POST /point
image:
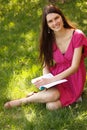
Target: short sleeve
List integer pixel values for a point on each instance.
(80, 40)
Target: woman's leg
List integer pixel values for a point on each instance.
(45, 96)
(53, 105)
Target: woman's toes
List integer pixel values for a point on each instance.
(7, 105)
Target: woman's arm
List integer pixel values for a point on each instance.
(45, 70)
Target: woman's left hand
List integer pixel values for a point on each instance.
(42, 81)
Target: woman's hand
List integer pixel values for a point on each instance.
(42, 81)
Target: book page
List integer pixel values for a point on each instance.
(49, 75)
(50, 84)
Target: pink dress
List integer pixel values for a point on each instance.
(71, 90)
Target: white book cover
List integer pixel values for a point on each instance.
(50, 84)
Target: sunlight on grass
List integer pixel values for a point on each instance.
(4, 49)
(34, 71)
(39, 12)
(29, 36)
(83, 6)
(16, 88)
(12, 2)
(79, 4)
(82, 116)
(85, 21)
(35, 1)
(17, 84)
(30, 116)
(11, 25)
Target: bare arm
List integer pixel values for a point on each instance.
(46, 70)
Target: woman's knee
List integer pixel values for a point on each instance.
(55, 95)
(53, 105)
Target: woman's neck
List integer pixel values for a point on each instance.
(60, 33)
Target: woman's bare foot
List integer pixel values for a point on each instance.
(18, 102)
(15, 103)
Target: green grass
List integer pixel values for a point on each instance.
(20, 22)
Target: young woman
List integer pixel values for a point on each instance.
(62, 52)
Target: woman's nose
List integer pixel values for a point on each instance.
(54, 22)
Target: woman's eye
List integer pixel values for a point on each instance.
(56, 18)
(50, 21)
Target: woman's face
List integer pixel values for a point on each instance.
(54, 21)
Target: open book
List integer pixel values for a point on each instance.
(50, 84)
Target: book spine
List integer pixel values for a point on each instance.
(41, 88)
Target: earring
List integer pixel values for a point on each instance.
(48, 30)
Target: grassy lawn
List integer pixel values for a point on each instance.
(20, 22)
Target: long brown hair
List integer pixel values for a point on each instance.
(47, 36)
